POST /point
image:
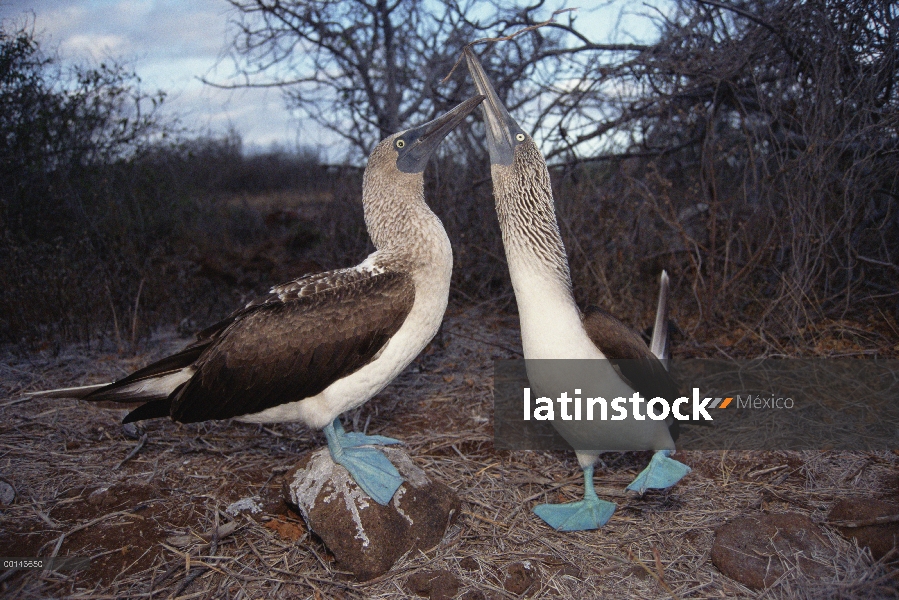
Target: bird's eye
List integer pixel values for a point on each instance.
(520, 137)
(400, 143)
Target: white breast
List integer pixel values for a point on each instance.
(551, 328)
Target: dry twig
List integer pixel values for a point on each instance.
(504, 38)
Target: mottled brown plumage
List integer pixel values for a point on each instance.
(526, 212)
(299, 332)
(553, 327)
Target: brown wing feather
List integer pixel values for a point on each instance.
(170, 364)
(627, 351)
(305, 286)
(294, 343)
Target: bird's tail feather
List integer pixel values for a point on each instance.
(152, 388)
(69, 392)
(659, 343)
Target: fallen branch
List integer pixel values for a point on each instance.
(219, 533)
(485, 519)
(867, 522)
(133, 453)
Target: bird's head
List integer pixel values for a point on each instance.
(393, 183)
(521, 183)
(402, 157)
(507, 142)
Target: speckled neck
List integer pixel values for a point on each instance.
(404, 230)
(527, 216)
(550, 320)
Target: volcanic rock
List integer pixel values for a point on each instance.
(754, 550)
(365, 537)
(881, 537)
(519, 578)
(7, 493)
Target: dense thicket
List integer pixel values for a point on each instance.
(764, 145)
(108, 214)
(66, 139)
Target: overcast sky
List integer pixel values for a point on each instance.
(171, 43)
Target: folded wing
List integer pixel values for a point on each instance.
(288, 345)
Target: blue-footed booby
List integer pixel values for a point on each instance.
(322, 344)
(552, 326)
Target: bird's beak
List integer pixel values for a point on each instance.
(496, 117)
(424, 139)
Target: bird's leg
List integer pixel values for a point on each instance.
(354, 439)
(589, 488)
(368, 467)
(661, 472)
(589, 513)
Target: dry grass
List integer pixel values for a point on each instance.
(145, 531)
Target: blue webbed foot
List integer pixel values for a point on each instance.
(576, 516)
(368, 467)
(589, 513)
(374, 473)
(661, 472)
(355, 439)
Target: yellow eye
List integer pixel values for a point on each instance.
(400, 143)
(520, 137)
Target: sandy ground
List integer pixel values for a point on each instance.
(143, 507)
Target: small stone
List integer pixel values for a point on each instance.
(132, 431)
(519, 577)
(879, 538)
(437, 585)
(753, 550)
(420, 584)
(473, 595)
(102, 497)
(570, 571)
(7, 493)
(365, 537)
(250, 505)
(469, 564)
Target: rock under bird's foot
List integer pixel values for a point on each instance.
(661, 472)
(589, 513)
(368, 466)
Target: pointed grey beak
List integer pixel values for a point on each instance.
(497, 119)
(421, 141)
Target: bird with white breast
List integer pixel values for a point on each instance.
(553, 327)
(323, 344)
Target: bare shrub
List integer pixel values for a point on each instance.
(760, 168)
